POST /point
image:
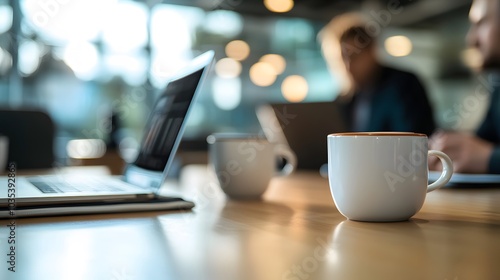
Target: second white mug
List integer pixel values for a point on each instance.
(244, 164)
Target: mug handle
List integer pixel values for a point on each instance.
(290, 157)
(447, 170)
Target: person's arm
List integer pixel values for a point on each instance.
(469, 153)
(478, 153)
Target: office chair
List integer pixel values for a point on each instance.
(31, 137)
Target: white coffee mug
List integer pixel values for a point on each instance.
(244, 164)
(381, 176)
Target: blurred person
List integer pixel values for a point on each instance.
(374, 97)
(479, 153)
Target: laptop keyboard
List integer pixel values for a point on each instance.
(60, 186)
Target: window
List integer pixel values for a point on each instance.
(85, 61)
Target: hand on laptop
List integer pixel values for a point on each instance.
(469, 153)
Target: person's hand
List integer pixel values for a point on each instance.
(469, 153)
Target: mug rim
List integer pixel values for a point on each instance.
(377, 133)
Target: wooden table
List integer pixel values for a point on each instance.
(295, 232)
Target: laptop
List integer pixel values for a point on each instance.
(303, 127)
(138, 188)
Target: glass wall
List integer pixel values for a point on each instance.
(96, 66)
(85, 61)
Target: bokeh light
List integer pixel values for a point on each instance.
(64, 21)
(228, 68)
(238, 50)
(171, 28)
(29, 57)
(226, 93)
(262, 74)
(277, 61)
(398, 46)
(86, 148)
(294, 88)
(82, 58)
(279, 6)
(126, 28)
(5, 18)
(225, 23)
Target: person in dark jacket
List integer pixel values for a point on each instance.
(479, 153)
(375, 97)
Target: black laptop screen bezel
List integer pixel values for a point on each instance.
(158, 148)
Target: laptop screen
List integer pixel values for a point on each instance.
(304, 127)
(165, 122)
(164, 129)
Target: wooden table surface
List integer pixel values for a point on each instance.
(295, 232)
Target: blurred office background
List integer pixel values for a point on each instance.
(96, 65)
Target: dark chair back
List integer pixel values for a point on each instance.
(31, 137)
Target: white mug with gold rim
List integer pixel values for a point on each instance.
(381, 176)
